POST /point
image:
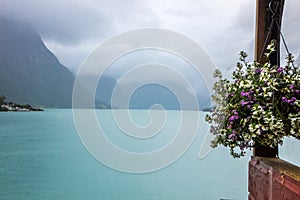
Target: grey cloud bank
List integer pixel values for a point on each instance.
(72, 29)
(58, 21)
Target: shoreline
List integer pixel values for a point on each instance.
(13, 107)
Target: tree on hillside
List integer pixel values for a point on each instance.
(2, 98)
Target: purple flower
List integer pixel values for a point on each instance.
(232, 136)
(244, 94)
(297, 91)
(292, 87)
(244, 103)
(232, 118)
(258, 70)
(284, 99)
(249, 106)
(280, 69)
(290, 101)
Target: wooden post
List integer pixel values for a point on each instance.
(265, 32)
(268, 18)
(270, 178)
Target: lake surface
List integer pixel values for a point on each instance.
(42, 157)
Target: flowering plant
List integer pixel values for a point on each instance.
(259, 106)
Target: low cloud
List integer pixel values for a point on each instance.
(72, 29)
(59, 21)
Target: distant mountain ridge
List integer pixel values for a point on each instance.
(148, 95)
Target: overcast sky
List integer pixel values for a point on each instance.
(72, 29)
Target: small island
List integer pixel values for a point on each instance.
(14, 107)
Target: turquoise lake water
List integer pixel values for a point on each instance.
(42, 157)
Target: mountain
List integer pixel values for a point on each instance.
(147, 95)
(29, 72)
(142, 98)
(151, 94)
(105, 89)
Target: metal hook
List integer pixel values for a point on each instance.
(271, 10)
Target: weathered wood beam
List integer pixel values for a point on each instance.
(268, 24)
(263, 33)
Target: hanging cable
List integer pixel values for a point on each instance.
(266, 41)
(275, 18)
(279, 30)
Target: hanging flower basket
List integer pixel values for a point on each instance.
(260, 105)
